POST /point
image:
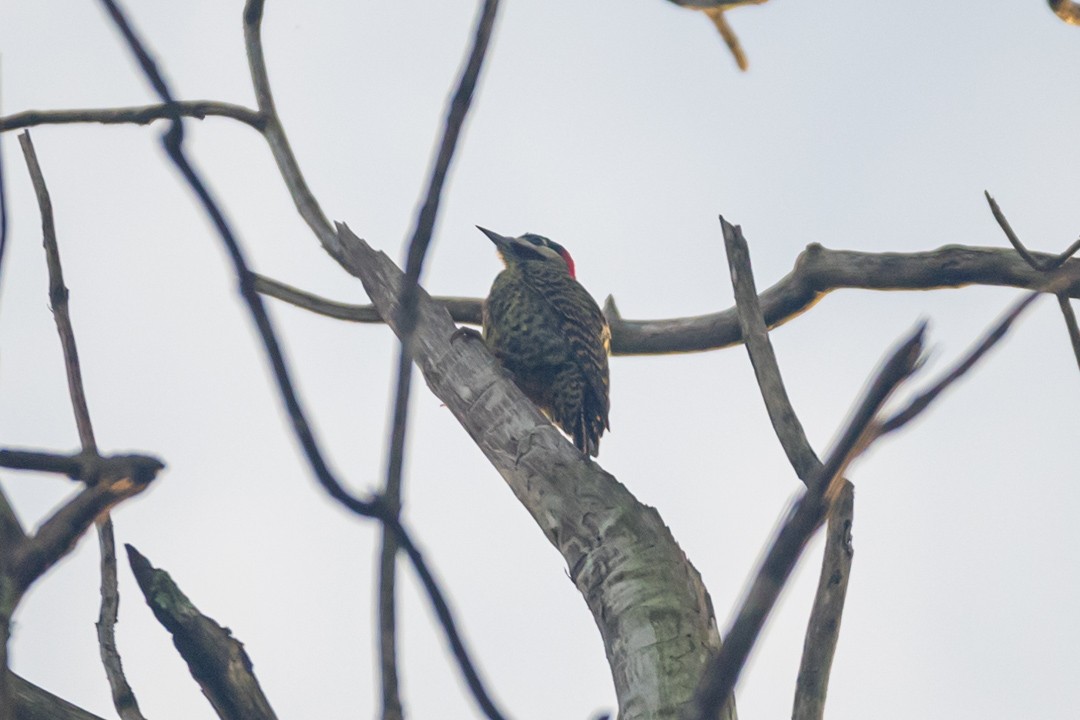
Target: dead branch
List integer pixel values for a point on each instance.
(141, 115)
(818, 271)
(1047, 267)
(34, 703)
(173, 142)
(215, 658)
(274, 131)
(123, 696)
(418, 247)
(809, 511)
(859, 433)
(823, 628)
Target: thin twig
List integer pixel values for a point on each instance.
(462, 309)
(173, 142)
(1046, 267)
(918, 404)
(127, 706)
(418, 247)
(860, 432)
(141, 115)
(123, 697)
(724, 668)
(823, 628)
(274, 131)
(767, 370)
(1070, 324)
(58, 298)
(3, 213)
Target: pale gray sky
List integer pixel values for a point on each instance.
(620, 129)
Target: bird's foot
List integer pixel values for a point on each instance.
(466, 332)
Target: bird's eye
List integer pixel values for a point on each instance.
(535, 239)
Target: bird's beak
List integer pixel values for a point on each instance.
(501, 241)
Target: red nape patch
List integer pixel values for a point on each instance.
(569, 261)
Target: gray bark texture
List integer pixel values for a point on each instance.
(648, 601)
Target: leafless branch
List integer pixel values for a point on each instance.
(418, 247)
(463, 310)
(123, 696)
(861, 430)
(216, 660)
(274, 131)
(3, 213)
(1070, 325)
(1044, 267)
(34, 703)
(141, 115)
(173, 142)
(756, 338)
(83, 467)
(817, 272)
(823, 629)
(806, 516)
(58, 298)
(917, 405)
(57, 535)
(1067, 10)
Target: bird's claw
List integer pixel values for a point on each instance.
(466, 332)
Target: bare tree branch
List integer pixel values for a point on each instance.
(274, 131)
(823, 628)
(34, 703)
(418, 246)
(83, 467)
(141, 115)
(861, 430)
(123, 696)
(462, 309)
(173, 142)
(58, 298)
(3, 213)
(1070, 324)
(723, 670)
(818, 271)
(920, 402)
(215, 658)
(57, 535)
(1045, 267)
(767, 370)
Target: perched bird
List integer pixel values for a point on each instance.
(550, 335)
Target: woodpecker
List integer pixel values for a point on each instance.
(550, 335)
